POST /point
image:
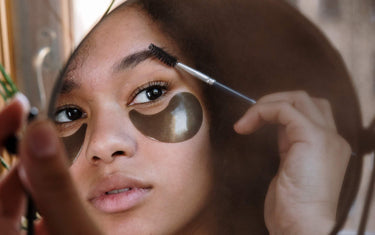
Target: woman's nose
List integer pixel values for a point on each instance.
(110, 136)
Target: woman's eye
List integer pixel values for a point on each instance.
(68, 115)
(149, 94)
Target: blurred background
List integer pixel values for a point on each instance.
(350, 26)
(36, 37)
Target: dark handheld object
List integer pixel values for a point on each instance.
(30, 215)
(11, 145)
(172, 61)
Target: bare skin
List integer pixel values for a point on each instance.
(301, 199)
(303, 196)
(42, 171)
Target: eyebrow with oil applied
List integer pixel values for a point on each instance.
(127, 62)
(133, 60)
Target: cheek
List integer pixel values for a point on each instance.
(186, 168)
(187, 177)
(80, 178)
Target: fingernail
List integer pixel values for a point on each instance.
(41, 140)
(238, 124)
(22, 99)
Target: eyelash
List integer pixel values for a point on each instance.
(161, 84)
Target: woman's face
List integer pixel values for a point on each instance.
(131, 183)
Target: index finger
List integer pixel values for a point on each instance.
(279, 112)
(301, 101)
(44, 170)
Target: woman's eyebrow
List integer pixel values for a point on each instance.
(68, 85)
(127, 62)
(133, 60)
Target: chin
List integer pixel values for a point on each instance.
(117, 224)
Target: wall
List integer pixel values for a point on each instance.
(350, 25)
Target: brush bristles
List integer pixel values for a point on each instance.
(162, 55)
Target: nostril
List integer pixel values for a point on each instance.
(118, 153)
(95, 158)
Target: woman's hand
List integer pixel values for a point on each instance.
(43, 172)
(303, 196)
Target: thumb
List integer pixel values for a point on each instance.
(45, 173)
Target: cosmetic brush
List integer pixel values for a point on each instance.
(172, 61)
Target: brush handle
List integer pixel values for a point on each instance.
(201, 76)
(212, 82)
(30, 215)
(233, 92)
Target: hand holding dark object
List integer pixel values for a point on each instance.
(303, 196)
(43, 172)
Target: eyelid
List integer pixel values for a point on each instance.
(138, 90)
(66, 106)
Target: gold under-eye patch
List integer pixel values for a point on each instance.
(179, 121)
(74, 142)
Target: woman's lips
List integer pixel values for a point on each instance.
(120, 201)
(118, 194)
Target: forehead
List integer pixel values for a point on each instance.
(121, 34)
